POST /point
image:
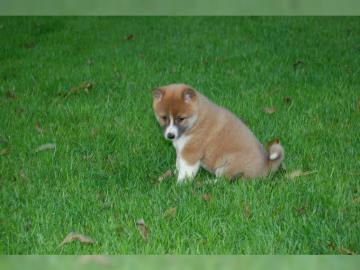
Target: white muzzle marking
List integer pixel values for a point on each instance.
(171, 132)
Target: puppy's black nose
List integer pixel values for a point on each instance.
(170, 136)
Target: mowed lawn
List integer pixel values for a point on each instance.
(82, 87)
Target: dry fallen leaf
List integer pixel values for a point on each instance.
(75, 90)
(10, 95)
(165, 175)
(298, 63)
(4, 151)
(206, 197)
(331, 246)
(38, 127)
(44, 147)
(170, 213)
(269, 110)
(247, 212)
(130, 37)
(77, 237)
(298, 173)
(86, 87)
(345, 251)
(143, 229)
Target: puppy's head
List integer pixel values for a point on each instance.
(175, 108)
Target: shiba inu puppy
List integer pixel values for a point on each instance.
(210, 136)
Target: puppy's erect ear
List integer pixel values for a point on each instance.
(158, 94)
(189, 95)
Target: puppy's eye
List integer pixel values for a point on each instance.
(165, 118)
(179, 119)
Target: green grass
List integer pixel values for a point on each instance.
(102, 176)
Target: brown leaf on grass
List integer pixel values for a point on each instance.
(165, 175)
(77, 237)
(39, 128)
(269, 110)
(298, 173)
(4, 151)
(45, 147)
(247, 211)
(298, 63)
(170, 213)
(10, 95)
(345, 251)
(85, 87)
(98, 259)
(331, 246)
(143, 229)
(130, 37)
(206, 197)
(340, 250)
(287, 100)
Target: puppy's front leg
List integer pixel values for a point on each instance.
(186, 170)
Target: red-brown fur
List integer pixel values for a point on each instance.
(218, 139)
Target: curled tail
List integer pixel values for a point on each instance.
(276, 155)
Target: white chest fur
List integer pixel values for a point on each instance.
(180, 143)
